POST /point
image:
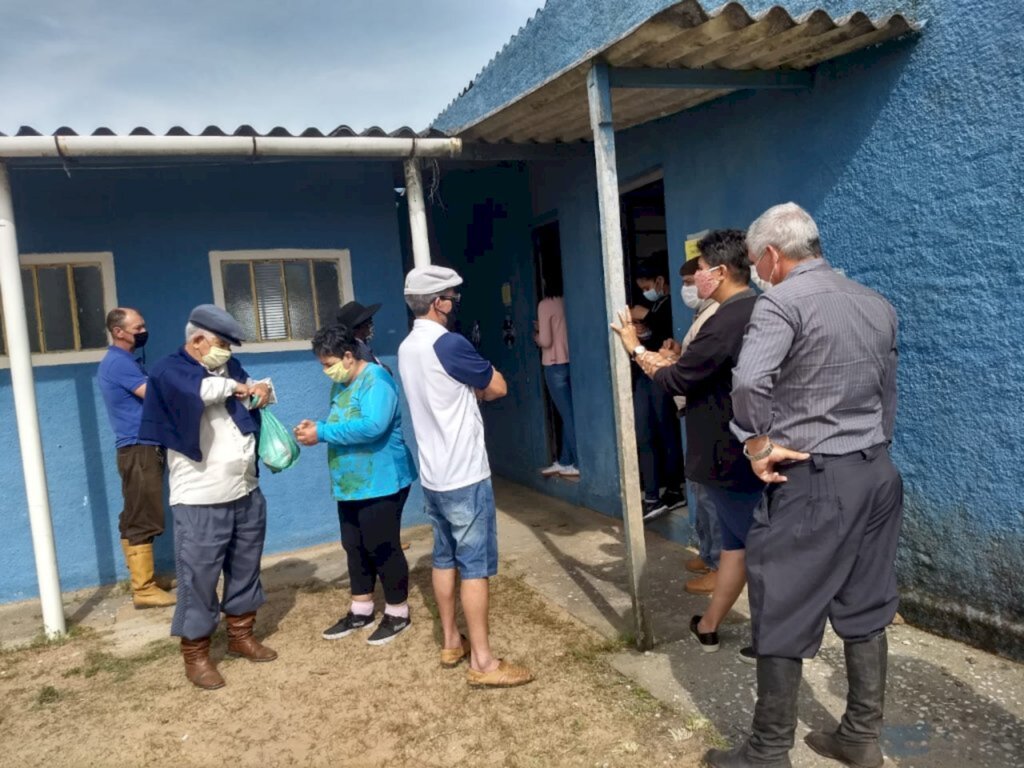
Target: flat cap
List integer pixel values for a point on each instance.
(433, 279)
(212, 318)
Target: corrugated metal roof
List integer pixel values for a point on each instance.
(246, 130)
(684, 35)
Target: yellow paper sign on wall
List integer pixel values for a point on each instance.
(506, 294)
(691, 249)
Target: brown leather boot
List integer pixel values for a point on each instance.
(145, 592)
(199, 668)
(241, 641)
(702, 585)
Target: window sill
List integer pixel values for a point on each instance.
(59, 358)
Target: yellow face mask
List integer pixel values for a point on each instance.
(338, 373)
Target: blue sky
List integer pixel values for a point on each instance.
(296, 63)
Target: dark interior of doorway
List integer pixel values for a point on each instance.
(547, 269)
(643, 232)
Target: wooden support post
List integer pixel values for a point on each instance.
(599, 95)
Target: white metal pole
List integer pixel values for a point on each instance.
(417, 213)
(23, 384)
(599, 95)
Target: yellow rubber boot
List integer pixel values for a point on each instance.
(165, 581)
(145, 592)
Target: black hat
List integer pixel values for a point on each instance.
(355, 314)
(212, 318)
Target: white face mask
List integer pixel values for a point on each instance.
(762, 284)
(216, 357)
(690, 297)
(652, 294)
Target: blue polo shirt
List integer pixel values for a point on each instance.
(119, 375)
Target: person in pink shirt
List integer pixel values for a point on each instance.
(553, 341)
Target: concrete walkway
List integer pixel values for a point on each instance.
(949, 705)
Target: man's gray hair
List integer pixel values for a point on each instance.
(420, 304)
(191, 330)
(789, 228)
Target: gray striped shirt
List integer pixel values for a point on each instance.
(818, 368)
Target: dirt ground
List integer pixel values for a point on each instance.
(341, 702)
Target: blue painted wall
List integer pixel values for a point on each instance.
(160, 226)
(909, 158)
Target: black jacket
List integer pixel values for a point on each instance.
(704, 376)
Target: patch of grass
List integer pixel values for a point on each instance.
(123, 667)
(704, 728)
(314, 586)
(48, 695)
(74, 631)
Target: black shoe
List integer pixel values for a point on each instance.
(653, 509)
(708, 640)
(388, 629)
(747, 655)
(347, 625)
(673, 500)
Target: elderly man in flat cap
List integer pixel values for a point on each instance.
(444, 376)
(204, 408)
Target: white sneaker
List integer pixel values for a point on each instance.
(569, 471)
(554, 469)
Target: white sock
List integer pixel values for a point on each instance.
(401, 611)
(362, 607)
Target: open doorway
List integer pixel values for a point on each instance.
(547, 260)
(645, 255)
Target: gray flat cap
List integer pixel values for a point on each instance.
(212, 318)
(433, 279)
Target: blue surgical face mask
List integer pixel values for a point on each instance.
(651, 294)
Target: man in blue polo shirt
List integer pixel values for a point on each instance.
(443, 377)
(140, 463)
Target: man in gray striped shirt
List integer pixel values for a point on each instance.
(814, 398)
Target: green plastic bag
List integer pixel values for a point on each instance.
(278, 447)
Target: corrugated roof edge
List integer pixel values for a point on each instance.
(508, 76)
(246, 130)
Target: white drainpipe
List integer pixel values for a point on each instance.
(27, 147)
(417, 213)
(23, 384)
(225, 146)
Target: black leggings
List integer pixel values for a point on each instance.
(370, 537)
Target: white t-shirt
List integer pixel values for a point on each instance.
(440, 373)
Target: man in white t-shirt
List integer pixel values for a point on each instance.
(443, 377)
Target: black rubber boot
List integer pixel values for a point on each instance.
(771, 738)
(855, 741)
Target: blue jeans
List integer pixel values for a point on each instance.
(705, 523)
(560, 389)
(735, 510)
(465, 529)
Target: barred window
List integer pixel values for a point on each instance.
(66, 300)
(281, 296)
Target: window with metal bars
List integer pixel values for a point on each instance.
(284, 299)
(64, 307)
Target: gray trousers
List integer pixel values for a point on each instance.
(209, 539)
(823, 545)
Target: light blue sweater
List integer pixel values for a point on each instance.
(366, 452)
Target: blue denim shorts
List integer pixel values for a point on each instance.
(465, 529)
(735, 510)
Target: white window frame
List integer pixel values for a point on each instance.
(106, 262)
(339, 255)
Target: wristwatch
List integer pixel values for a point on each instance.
(638, 350)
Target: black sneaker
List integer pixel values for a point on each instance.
(388, 629)
(347, 625)
(747, 655)
(673, 500)
(708, 640)
(653, 509)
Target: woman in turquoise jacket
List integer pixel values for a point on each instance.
(371, 471)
